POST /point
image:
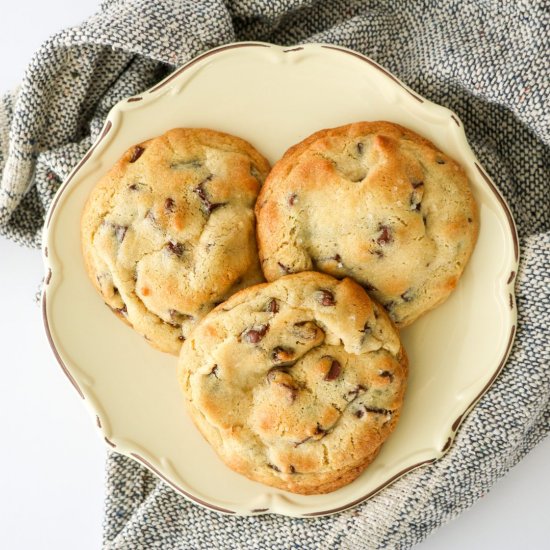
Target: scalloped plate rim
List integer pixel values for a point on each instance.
(95, 408)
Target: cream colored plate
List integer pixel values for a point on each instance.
(275, 97)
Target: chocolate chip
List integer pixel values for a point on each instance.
(375, 410)
(320, 430)
(385, 236)
(386, 374)
(175, 248)
(470, 220)
(367, 329)
(201, 192)
(334, 371)
(136, 153)
(122, 310)
(325, 298)
(338, 259)
(305, 330)
(282, 355)
(214, 371)
(120, 232)
(273, 467)
(292, 469)
(408, 295)
(254, 335)
(292, 199)
(360, 147)
(181, 338)
(285, 268)
(169, 204)
(359, 413)
(272, 306)
(134, 187)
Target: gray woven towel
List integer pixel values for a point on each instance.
(488, 61)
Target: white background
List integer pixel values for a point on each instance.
(52, 459)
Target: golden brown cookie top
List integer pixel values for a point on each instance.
(373, 201)
(296, 383)
(168, 232)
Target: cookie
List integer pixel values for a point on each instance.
(373, 201)
(296, 383)
(169, 231)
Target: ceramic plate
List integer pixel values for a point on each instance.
(275, 97)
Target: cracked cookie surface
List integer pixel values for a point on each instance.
(296, 383)
(373, 201)
(169, 231)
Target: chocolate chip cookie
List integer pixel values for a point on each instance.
(169, 231)
(373, 201)
(296, 383)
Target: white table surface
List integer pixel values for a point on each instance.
(52, 460)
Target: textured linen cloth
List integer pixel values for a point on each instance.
(486, 60)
